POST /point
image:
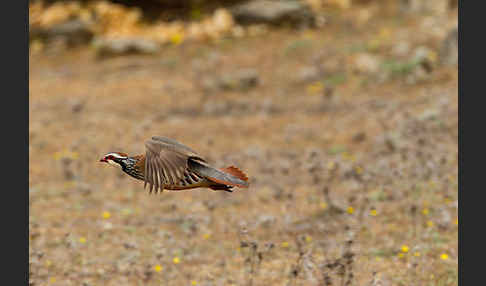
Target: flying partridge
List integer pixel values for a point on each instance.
(167, 164)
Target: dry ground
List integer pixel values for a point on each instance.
(384, 148)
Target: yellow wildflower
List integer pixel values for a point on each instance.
(36, 46)
(82, 239)
(206, 235)
(308, 35)
(74, 155)
(452, 178)
(444, 256)
(193, 282)
(176, 260)
(432, 56)
(48, 263)
(308, 238)
(373, 212)
(315, 87)
(52, 280)
(345, 155)
(285, 244)
(69, 184)
(359, 170)
(330, 165)
(57, 155)
(350, 210)
(425, 211)
(416, 253)
(456, 222)
(157, 268)
(106, 214)
(430, 223)
(323, 205)
(384, 33)
(65, 154)
(405, 248)
(401, 255)
(176, 38)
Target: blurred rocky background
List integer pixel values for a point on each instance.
(117, 27)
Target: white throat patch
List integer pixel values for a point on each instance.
(113, 163)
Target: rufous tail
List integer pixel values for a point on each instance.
(235, 172)
(232, 177)
(228, 177)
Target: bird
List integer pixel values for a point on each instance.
(170, 165)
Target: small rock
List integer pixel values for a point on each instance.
(77, 106)
(308, 74)
(253, 152)
(266, 221)
(419, 6)
(74, 32)
(241, 80)
(209, 84)
(107, 225)
(422, 53)
(366, 63)
(429, 114)
(401, 49)
(421, 65)
(130, 245)
(55, 46)
(359, 137)
(257, 30)
(292, 12)
(113, 47)
(215, 108)
(84, 188)
(268, 107)
(419, 74)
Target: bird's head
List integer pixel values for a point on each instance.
(116, 159)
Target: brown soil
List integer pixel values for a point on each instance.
(384, 148)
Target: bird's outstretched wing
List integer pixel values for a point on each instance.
(166, 162)
(176, 146)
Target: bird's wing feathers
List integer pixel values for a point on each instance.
(165, 162)
(175, 146)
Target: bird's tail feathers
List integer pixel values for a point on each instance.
(232, 170)
(230, 176)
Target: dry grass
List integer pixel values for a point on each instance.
(351, 183)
